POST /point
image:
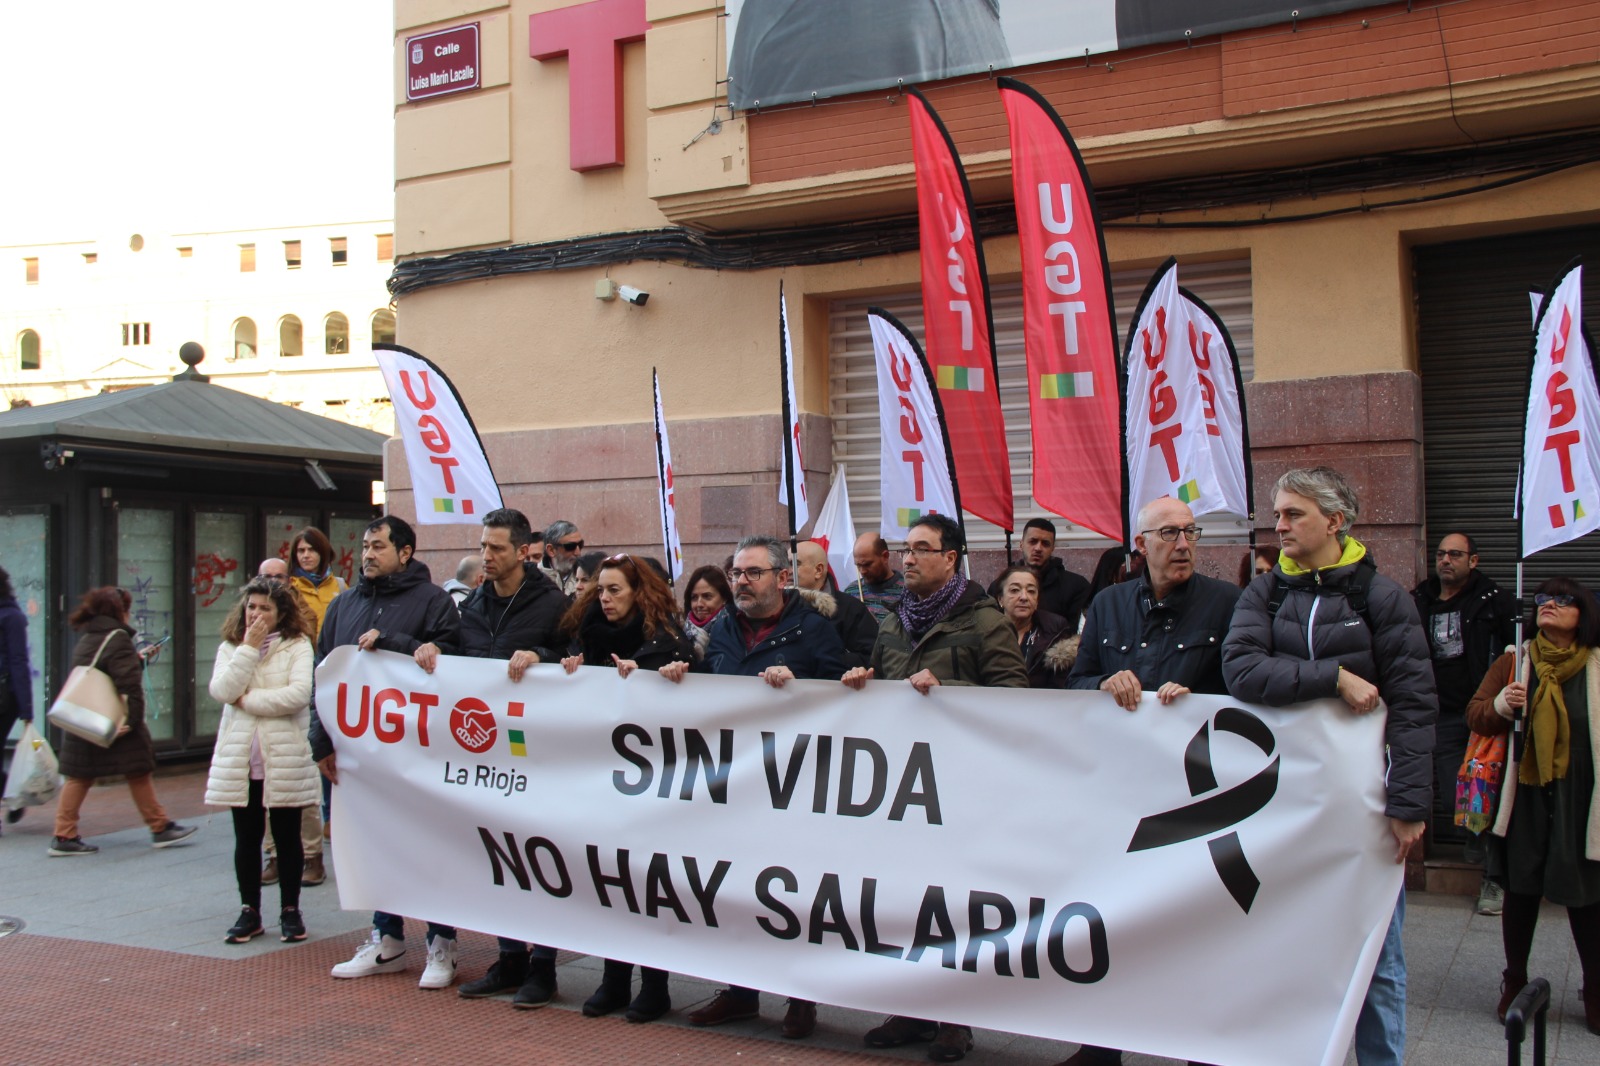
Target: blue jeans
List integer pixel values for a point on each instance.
(1381, 1026)
(517, 947)
(395, 925)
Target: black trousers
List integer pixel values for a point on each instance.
(249, 830)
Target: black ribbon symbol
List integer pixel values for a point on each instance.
(1217, 812)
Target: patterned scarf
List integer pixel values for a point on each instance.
(920, 615)
(1549, 728)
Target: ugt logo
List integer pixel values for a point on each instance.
(472, 724)
(1220, 810)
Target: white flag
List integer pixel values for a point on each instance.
(836, 532)
(914, 460)
(665, 491)
(794, 469)
(450, 477)
(1561, 445)
(1185, 421)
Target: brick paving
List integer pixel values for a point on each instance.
(121, 961)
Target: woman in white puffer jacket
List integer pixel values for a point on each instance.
(262, 765)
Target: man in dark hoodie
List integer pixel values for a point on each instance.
(944, 632)
(513, 614)
(1061, 592)
(395, 606)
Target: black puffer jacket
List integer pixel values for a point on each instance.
(495, 627)
(1296, 656)
(406, 608)
(857, 629)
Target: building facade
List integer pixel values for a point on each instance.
(285, 314)
(1366, 196)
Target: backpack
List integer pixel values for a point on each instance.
(1355, 593)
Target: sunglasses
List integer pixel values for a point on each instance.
(571, 546)
(1557, 599)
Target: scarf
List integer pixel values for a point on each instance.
(704, 622)
(601, 639)
(315, 579)
(919, 616)
(1549, 728)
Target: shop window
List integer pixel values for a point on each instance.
(339, 247)
(244, 339)
(247, 259)
(383, 326)
(385, 247)
(291, 254)
(291, 336)
(135, 333)
(30, 270)
(28, 350)
(336, 334)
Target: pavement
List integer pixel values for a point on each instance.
(120, 960)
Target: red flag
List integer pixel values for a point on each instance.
(1069, 327)
(957, 323)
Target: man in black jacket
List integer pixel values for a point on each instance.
(1061, 592)
(772, 633)
(857, 629)
(1469, 621)
(395, 606)
(515, 615)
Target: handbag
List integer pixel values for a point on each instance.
(89, 705)
(1478, 782)
(35, 777)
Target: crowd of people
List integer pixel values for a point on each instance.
(1311, 619)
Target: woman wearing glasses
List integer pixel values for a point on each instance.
(1547, 797)
(626, 621)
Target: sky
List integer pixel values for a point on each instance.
(195, 115)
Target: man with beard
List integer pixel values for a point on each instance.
(880, 585)
(1061, 592)
(562, 546)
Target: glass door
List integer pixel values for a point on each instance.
(221, 569)
(145, 569)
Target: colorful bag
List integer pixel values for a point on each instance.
(1478, 782)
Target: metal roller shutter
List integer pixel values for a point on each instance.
(853, 387)
(1475, 333)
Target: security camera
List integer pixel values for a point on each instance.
(637, 297)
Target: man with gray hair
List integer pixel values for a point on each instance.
(562, 546)
(1324, 623)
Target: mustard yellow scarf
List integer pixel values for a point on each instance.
(1549, 729)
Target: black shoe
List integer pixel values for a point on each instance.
(540, 987)
(246, 929)
(952, 1043)
(505, 974)
(291, 925)
(14, 815)
(651, 1002)
(897, 1029)
(71, 846)
(615, 987)
(172, 834)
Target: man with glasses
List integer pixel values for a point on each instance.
(1061, 592)
(1163, 632)
(274, 570)
(772, 633)
(563, 544)
(945, 631)
(1470, 621)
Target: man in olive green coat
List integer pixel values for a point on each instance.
(945, 631)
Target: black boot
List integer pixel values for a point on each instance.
(652, 1001)
(612, 994)
(539, 988)
(509, 972)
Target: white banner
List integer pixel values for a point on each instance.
(1035, 862)
(450, 477)
(1561, 443)
(1185, 424)
(664, 489)
(914, 462)
(836, 532)
(794, 467)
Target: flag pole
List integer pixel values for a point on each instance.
(789, 473)
(661, 475)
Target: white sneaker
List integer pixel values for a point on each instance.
(441, 969)
(381, 954)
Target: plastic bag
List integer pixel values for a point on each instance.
(35, 775)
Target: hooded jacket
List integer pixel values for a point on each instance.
(803, 640)
(973, 644)
(266, 698)
(857, 629)
(1297, 654)
(495, 627)
(1053, 650)
(1488, 620)
(406, 608)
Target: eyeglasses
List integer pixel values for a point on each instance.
(754, 573)
(917, 552)
(620, 557)
(1556, 599)
(571, 546)
(1445, 553)
(1170, 533)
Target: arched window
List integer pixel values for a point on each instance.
(335, 334)
(291, 336)
(28, 350)
(244, 339)
(383, 326)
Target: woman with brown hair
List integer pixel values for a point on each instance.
(311, 574)
(626, 620)
(261, 767)
(107, 641)
(705, 594)
(1047, 648)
